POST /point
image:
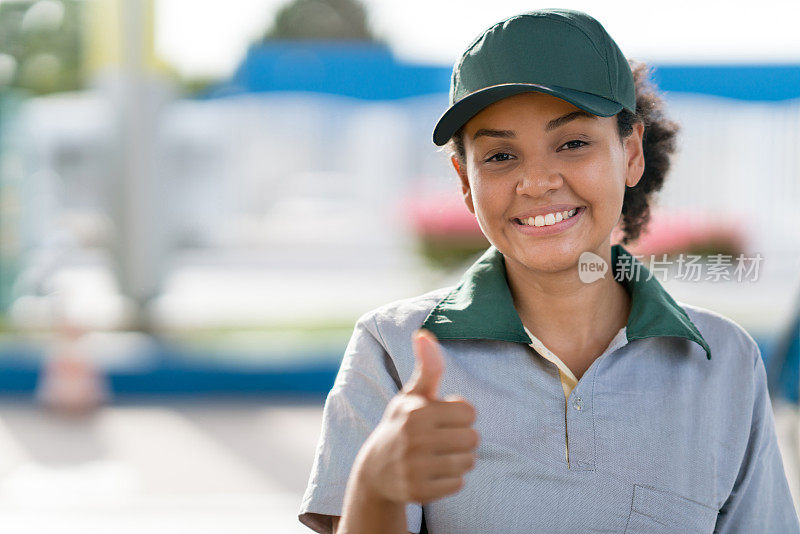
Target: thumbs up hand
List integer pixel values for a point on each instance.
(423, 445)
(429, 366)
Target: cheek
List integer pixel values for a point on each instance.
(481, 199)
(601, 182)
(484, 189)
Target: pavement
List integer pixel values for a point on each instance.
(163, 466)
(214, 466)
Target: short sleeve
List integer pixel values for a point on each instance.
(365, 383)
(760, 500)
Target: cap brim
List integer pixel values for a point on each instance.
(462, 111)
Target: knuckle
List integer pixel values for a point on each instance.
(455, 412)
(418, 442)
(411, 440)
(448, 464)
(474, 438)
(463, 463)
(458, 465)
(471, 461)
(416, 414)
(471, 414)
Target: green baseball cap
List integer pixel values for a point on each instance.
(561, 52)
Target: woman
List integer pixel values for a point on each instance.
(558, 387)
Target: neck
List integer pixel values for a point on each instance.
(560, 309)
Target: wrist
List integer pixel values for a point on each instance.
(366, 509)
(366, 480)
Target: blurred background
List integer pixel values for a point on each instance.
(199, 198)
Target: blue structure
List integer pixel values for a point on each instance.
(175, 372)
(353, 69)
(371, 72)
(742, 82)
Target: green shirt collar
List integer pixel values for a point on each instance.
(481, 306)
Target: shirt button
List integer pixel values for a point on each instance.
(577, 404)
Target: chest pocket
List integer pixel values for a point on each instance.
(655, 511)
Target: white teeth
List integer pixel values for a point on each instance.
(550, 218)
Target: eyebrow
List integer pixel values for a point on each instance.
(552, 125)
(503, 134)
(561, 121)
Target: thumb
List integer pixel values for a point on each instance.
(429, 365)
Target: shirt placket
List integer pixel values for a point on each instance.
(564, 374)
(578, 414)
(579, 417)
(579, 426)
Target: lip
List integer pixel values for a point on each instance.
(545, 210)
(553, 228)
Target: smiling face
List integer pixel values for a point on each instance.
(533, 153)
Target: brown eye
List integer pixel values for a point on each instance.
(500, 156)
(573, 146)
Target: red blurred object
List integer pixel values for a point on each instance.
(69, 382)
(439, 214)
(673, 232)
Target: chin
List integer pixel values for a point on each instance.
(556, 264)
(546, 258)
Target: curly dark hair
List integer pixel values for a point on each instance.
(658, 144)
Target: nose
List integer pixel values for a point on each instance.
(537, 179)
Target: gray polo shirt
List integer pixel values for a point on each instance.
(661, 436)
